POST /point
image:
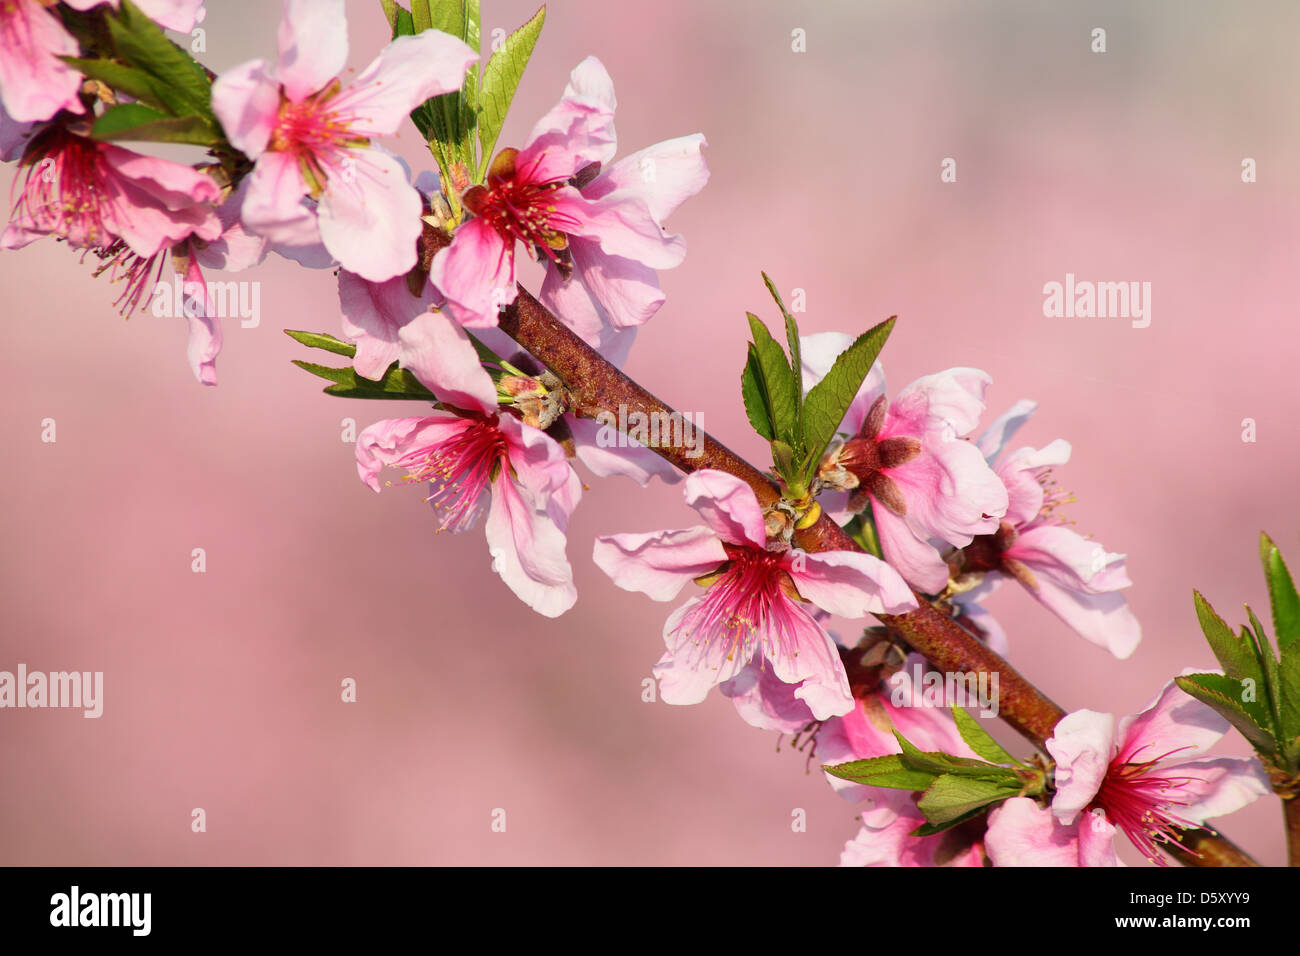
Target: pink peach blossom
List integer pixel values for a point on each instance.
(319, 190)
(758, 606)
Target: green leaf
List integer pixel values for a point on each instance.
(421, 16)
(1223, 694)
(501, 78)
(887, 771)
(397, 383)
(791, 334)
(930, 829)
(978, 739)
(1289, 691)
(395, 13)
(782, 458)
(755, 397)
(319, 340)
(936, 763)
(135, 83)
(1234, 654)
(448, 122)
(1264, 654)
(1281, 593)
(778, 384)
(862, 529)
(828, 400)
(951, 797)
(181, 83)
(135, 121)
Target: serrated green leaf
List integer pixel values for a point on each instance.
(978, 739)
(754, 396)
(951, 797)
(778, 384)
(1264, 654)
(937, 763)
(1223, 694)
(135, 121)
(501, 78)
(1281, 593)
(180, 82)
(397, 383)
(1289, 691)
(135, 83)
(1235, 655)
(319, 340)
(931, 829)
(887, 771)
(791, 333)
(828, 401)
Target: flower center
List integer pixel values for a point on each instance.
(519, 208)
(315, 134)
(1139, 801)
(459, 470)
(64, 191)
(747, 602)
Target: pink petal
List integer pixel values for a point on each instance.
(659, 563)
(476, 274)
(728, 506)
(577, 132)
(1082, 745)
(765, 701)
(179, 15)
(407, 72)
(1019, 473)
(34, 83)
(814, 665)
(918, 561)
(995, 437)
(625, 291)
(373, 314)
(955, 396)
(204, 342)
(276, 205)
(246, 99)
(370, 216)
(388, 441)
(622, 226)
(688, 670)
(536, 459)
(849, 584)
(950, 490)
(528, 551)
(1173, 723)
(1219, 786)
(313, 42)
(662, 176)
(1021, 833)
(440, 354)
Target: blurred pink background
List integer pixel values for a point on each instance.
(223, 688)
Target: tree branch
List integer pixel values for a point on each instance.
(596, 386)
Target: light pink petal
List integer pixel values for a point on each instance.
(622, 226)
(1102, 619)
(607, 453)
(954, 396)
(373, 314)
(849, 584)
(626, 292)
(236, 248)
(765, 701)
(370, 216)
(475, 274)
(276, 205)
(204, 343)
(246, 99)
(662, 176)
(407, 72)
(569, 300)
(950, 490)
(728, 506)
(14, 136)
(659, 563)
(389, 441)
(577, 132)
(1082, 745)
(1069, 559)
(440, 355)
(1172, 724)
(170, 184)
(814, 664)
(34, 83)
(313, 42)
(1019, 472)
(536, 459)
(886, 836)
(528, 551)
(1096, 837)
(1218, 786)
(994, 438)
(918, 561)
(1021, 833)
(688, 670)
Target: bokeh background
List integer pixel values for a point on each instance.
(223, 688)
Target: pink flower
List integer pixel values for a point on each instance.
(757, 606)
(600, 232)
(483, 461)
(34, 83)
(319, 190)
(926, 485)
(1144, 778)
(1074, 578)
(887, 837)
(94, 194)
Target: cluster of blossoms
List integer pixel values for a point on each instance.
(424, 266)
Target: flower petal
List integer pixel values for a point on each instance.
(439, 353)
(659, 563)
(246, 99)
(1082, 744)
(313, 42)
(849, 584)
(728, 506)
(370, 216)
